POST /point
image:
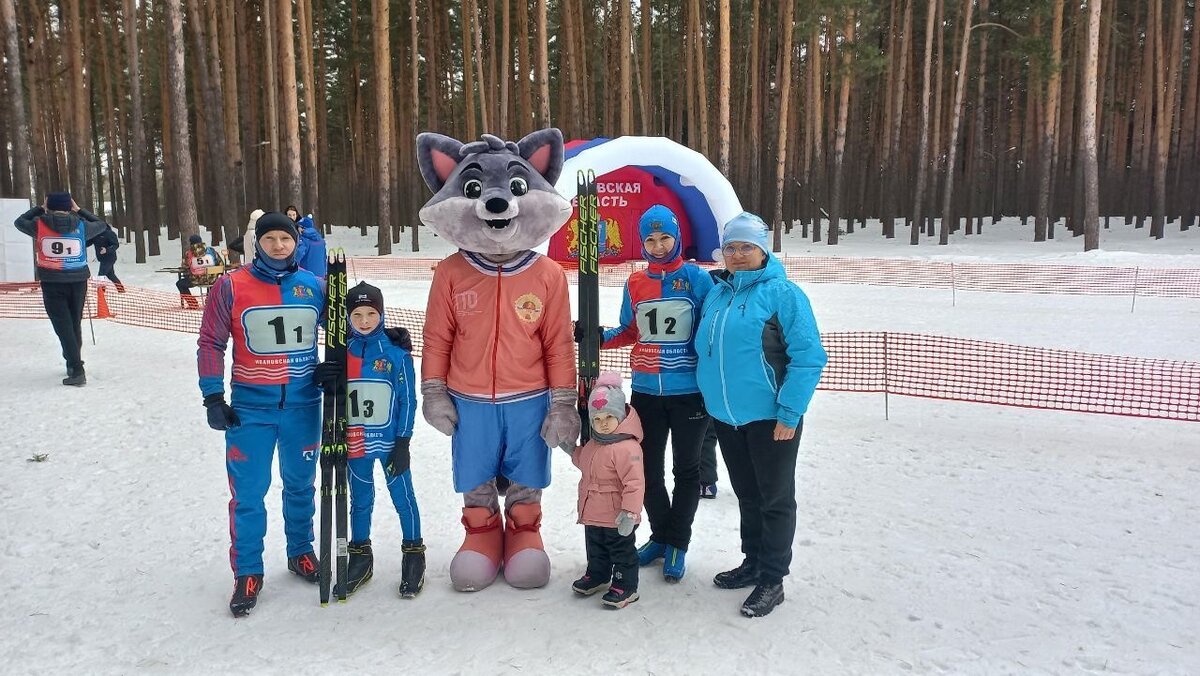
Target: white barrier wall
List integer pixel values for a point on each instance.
(16, 251)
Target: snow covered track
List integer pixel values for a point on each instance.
(953, 538)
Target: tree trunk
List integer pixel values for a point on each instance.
(383, 109)
(960, 89)
(786, 11)
(625, 39)
(485, 113)
(723, 86)
(293, 185)
(1168, 59)
(923, 149)
(137, 145)
(895, 163)
(647, 86)
(1091, 182)
(469, 56)
(18, 128)
(524, 69)
(311, 130)
(701, 101)
(180, 162)
(81, 114)
(543, 66)
(272, 142)
(415, 102)
(839, 143)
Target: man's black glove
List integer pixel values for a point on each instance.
(326, 375)
(398, 459)
(399, 337)
(579, 333)
(220, 415)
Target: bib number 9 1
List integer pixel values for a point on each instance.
(369, 403)
(280, 329)
(666, 320)
(60, 247)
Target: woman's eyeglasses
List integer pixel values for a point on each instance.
(740, 248)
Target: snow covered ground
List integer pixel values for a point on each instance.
(952, 538)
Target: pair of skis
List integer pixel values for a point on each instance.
(589, 292)
(333, 436)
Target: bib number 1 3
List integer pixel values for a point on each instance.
(280, 329)
(370, 402)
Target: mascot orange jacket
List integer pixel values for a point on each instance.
(489, 319)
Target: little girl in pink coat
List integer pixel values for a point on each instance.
(611, 491)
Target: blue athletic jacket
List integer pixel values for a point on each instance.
(760, 354)
(658, 317)
(272, 318)
(381, 392)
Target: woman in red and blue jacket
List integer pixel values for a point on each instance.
(270, 308)
(659, 312)
(381, 404)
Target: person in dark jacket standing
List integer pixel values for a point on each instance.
(61, 233)
(106, 253)
(760, 357)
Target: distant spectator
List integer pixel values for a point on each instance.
(61, 232)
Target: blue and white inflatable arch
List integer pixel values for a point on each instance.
(707, 196)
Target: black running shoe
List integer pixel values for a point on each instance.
(763, 600)
(245, 594)
(306, 566)
(745, 575)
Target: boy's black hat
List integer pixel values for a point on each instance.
(364, 294)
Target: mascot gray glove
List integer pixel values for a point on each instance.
(625, 523)
(437, 408)
(561, 426)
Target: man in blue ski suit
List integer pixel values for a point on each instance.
(270, 308)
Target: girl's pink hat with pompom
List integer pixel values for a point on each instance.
(607, 397)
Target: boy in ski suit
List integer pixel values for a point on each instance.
(498, 369)
(381, 399)
(61, 232)
(659, 312)
(611, 490)
(271, 309)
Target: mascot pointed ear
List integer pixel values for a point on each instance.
(543, 150)
(437, 156)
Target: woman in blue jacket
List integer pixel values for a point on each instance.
(760, 357)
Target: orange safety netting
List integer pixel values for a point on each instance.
(992, 277)
(915, 365)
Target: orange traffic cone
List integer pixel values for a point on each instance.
(102, 311)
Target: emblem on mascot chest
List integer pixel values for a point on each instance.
(529, 308)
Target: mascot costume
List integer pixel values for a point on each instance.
(498, 370)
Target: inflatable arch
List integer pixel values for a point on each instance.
(632, 174)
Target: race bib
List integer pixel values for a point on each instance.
(280, 329)
(61, 247)
(369, 403)
(665, 320)
(200, 264)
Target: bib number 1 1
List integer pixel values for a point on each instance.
(280, 329)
